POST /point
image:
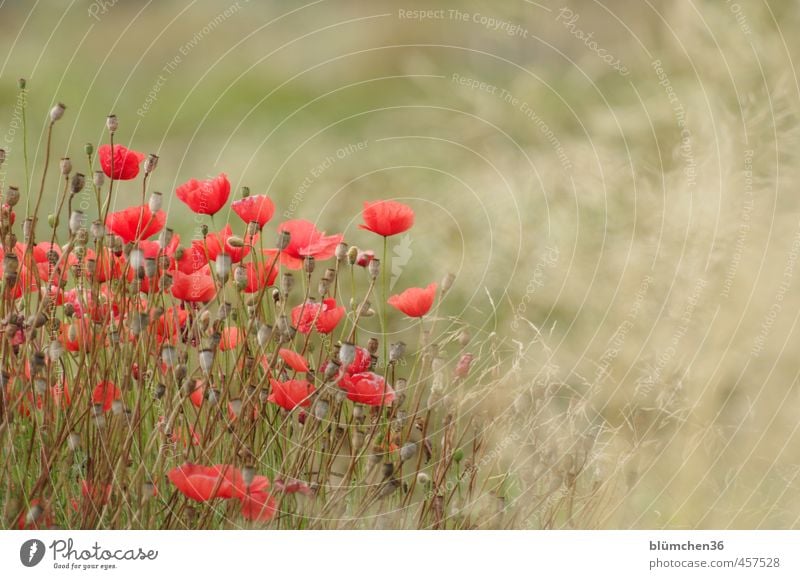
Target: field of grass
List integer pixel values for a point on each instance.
(612, 184)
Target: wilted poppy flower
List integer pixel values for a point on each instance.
(126, 162)
(387, 217)
(256, 208)
(205, 197)
(291, 394)
(135, 223)
(203, 483)
(306, 241)
(106, 393)
(367, 388)
(414, 302)
(294, 360)
(196, 287)
(325, 316)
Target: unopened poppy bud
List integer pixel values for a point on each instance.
(40, 386)
(74, 441)
(212, 395)
(159, 391)
(407, 451)
(372, 346)
(222, 265)
(253, 227)
(12, 196)
(169, 356)
(283, 240)
(458, 455)
(206, 358)
(112, 123)
(165, 237)
(352, 255)
(98, 179)
(78, 183)
(397, 351)
(204, 230)
(150, 164)
(341, 251)
(57, 112)
(224, 310)
(235, 242)
(22, 83)
(88, 149)
(308, 264)
(52, 220)
(264, 334)
(464, 337)
(347, 353)
(66, 166)
(155, 202)
(287, 283)
(374, 268)
(75, 221)
(245, 192)
(148, 490)
(447, 282)
(423, 478)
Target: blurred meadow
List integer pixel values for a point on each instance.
(614, 185)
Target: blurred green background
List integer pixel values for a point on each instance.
(619, 183)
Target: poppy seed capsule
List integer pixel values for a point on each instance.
(372, 346)
(222, 265)
(407, 451)
(27, 229)
(165, 237)
(57, 112)
(397, 351)
(308, 264)
(264, 334)
(287, 283)
(78, 183)
(374, 268)
(150, 266)
(284, 237)
(99, 179)
(75, 221)
(447, 282)
(155, 201)
(150, 164)
(240, 277)
(159, 392)
(55, 350)
(40, 386)
(112, 123)
(206, 358)
(66, 166)
(320, 409)
(12, 196)
(347, 353)
(341, 251)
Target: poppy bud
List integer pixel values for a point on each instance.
(447, 282)
(204, 230)
(112, 124)
(52, 220)
(75, 221)
(397, 351)
(57, 112)
(55, 350)
(283, 240)
(165, 238)
(74, 441)
(155, 202)
(240, 277)
(423, 478)
(235, 406)
(287, 283)
(12, 195)
(22, 83)
(264, 334)
(98, 179)
(308, 264)
(66, 166)
(374, 268)
(352, 255)
(88, 149)
(347, 353)
(138, 323)
(235, 242)
(150, 164)
(148, 490)
(341, 251)
(78, 183)
(458, 455)
(206, 358)
(407, 451)
(222, 265)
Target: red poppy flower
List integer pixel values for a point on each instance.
(216, 243)
(292, 486)
(229, 339)
(291, 394)
(106, 265)
(258, 506)
(266, 272)
(326, 316)
(256, 208)
(193, 258)
(135, 223)
(305, 241)
(198, 394)
(45, 519)
(169, 324)
(414, 302)
(387, 217)
(126, 162)
(196, 287)
(77, 336)
(205, 197)
(203, 483)
(294, 360)
(106, 393)
(361, 363)
(364, 257)
(367, 388)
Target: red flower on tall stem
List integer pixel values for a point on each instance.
(256, 208)
(367, 388)
(306, 241)
(261, 275)
(135, 223)
(126, 162)
(203, 483)
(294, 360)
(291, 393)
(414, 302)
(205, 197)
(324, 316)
(217, 243)
(195, 287)
(387, 217)
(106, 393)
